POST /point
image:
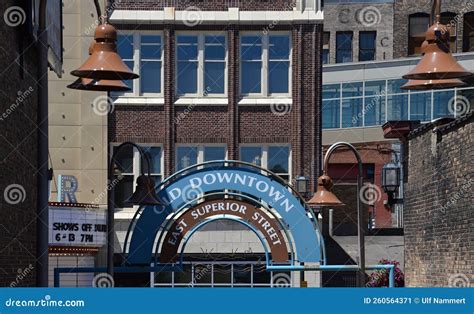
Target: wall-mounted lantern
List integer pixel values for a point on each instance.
(391, 178)
(302, 185)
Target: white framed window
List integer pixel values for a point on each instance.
(201, 64)
(274, 157)
(128, 164)
(143, 53)
(188, 155)
(265, 64)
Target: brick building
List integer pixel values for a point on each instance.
(18, 148)
(438, 210)
(237, 80)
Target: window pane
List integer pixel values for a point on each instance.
(260, 275)
(352, 89)
(374, 110)
(419, 25)
(420, 106)
(150, 47)
(251, 48)
(278, 159)
(367, 46)
(251, 77)
(325, 56)
(125, 46)
(331, 91)
(343, 47)
(242, 274)
(440, 104)
(279, 47)
(214, 153)
(187, 156)
(187, 77)
(351, 112)
(214, 78)
(187, 47)
(150, 76)
(185, 276)
(123, 190)
(129, 83)
(215, 48)
(222, 273)
(252, 155)
(202, 274)
(278, 77)
(397, 107)
(154, 156)
(393, 86)
(331, 114)
(374, 88)
(124, 159)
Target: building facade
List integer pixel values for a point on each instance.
(218, 80)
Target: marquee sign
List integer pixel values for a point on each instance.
(253, 215)
(180, 190)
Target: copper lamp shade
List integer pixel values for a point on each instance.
(324, 195)
(105, 63)
(144, 193)
(99, 85)
(437, 62)
(421, 85)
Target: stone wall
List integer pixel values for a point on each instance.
(438, 210)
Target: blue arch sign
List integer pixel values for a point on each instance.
(305, 234)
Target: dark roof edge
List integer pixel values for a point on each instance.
(443, 125)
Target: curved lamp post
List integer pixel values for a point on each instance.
(144, 195)
(325, 198)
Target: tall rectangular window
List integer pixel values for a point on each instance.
(418, 24)
(367, 46)
(128, 165)
(275, 158)
(188, 155)
(344, 47)
(201, 64)
(326, 47)
(143, 53)
(265, 64)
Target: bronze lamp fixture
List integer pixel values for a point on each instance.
(324, 195)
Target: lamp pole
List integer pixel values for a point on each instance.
(360, 213)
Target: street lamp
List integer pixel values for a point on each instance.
(390, 178)
(302, 185)
(144, 195)
(325, 197)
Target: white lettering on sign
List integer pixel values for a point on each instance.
(77, 226)
(271, 232)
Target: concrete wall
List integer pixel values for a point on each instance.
(438, 210)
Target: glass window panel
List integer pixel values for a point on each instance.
(278, 159)
(187, 77)
(215, 49)
(373, 88)
(222, 273)
(184, 39)
(215, 40)
(419, 25)
(187, 52)
(124, 159)
(214, 153)
(367, 46)
(154, 156)
(374, 110)
(351, 112)
(129, 83)
(260, 275)
(251, 48)
(397, 107)
(279, 47)
(251, 77)
(150, 52)
(464, 106)
(343, 47)
(331, 114)
(352, 89)
(123, 190)
(214, 78)
(125, 46)
(325, 56)
(252, 155)
(150, 77)
(440, 104)
(202, 273)
(331, 91)
(150, 39)
(187, 156)
(183, 277)
(279, 77)
(393, 86)
(420, 106)
(242, 274)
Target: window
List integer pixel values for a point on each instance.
(374, 103)
(420, 106)
(187, 156)
(326, 50)
(344, 47)
(143, 53)
(367, 46)
(275, 158)
(468, 36)
(201, 65)
(441, 104)
(418, 25)
(449, 19)
(331, 114)
(266, 65)
(128, 163)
